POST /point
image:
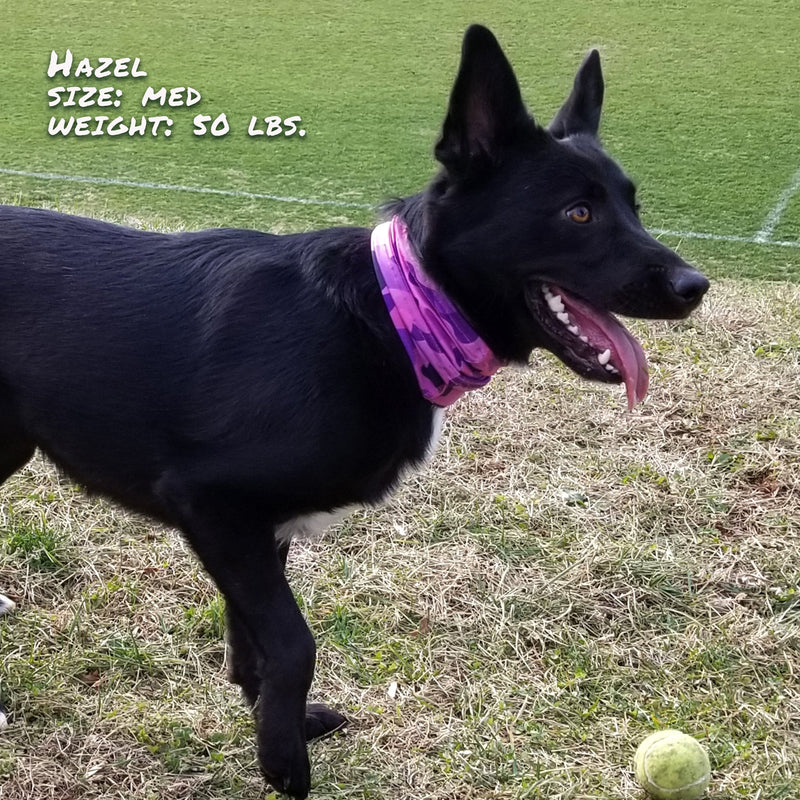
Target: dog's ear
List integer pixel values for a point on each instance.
(486, 110)
(581, 111)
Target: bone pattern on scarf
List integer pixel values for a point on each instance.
(448, 356)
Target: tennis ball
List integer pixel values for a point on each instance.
(671, 765)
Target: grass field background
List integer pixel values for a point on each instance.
(566, 577)
(702, 107)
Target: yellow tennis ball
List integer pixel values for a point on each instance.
(671, 765)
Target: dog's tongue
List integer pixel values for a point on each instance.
(605, 332)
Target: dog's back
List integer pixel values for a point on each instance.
(125, 354)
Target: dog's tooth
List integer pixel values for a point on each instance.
(604, 357)
(563, 317)
(573, 329)
(612, 369)
(585, 339)
(555, 303)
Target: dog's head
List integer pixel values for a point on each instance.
(534, 230)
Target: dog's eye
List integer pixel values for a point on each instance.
(580, 214)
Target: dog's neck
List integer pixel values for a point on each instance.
(448, 356)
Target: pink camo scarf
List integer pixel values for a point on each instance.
(448, 356)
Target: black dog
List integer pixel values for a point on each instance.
(240, 385)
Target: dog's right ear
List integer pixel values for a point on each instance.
(486, 111)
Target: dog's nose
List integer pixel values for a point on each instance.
(689, 285)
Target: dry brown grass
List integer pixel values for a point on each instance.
(563, 579)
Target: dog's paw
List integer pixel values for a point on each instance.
(6, 605)
(287, 774)
(322, 721)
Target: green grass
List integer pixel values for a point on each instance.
(566, 577)
(486, 634)
(699, 107)
(36, 543)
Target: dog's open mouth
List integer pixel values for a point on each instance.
(591, 342)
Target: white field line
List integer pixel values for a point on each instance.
(762, 237)
(774, 216)
(50, 176)
(715, 237)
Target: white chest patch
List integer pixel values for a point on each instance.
(312, 526)
(436, 433)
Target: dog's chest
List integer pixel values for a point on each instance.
(311, 526)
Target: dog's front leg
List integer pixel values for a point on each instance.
(241, 556)
(245, 669)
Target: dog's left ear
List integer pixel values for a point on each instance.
(581, 111)
(486, 111)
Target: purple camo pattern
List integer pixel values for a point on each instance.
(448, 356)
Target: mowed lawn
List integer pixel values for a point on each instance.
(702, 107)
(566, 577)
